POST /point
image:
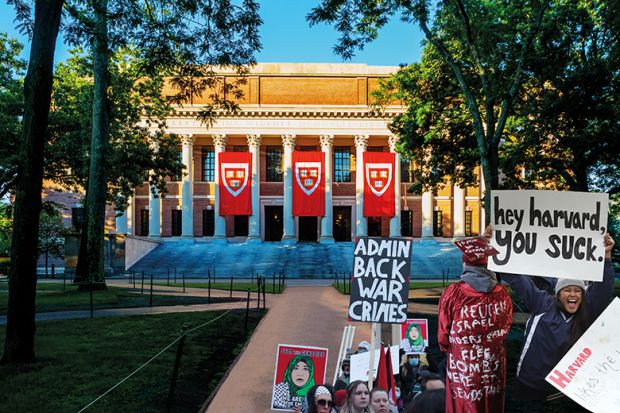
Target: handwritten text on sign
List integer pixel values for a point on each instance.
(590, 372)
(380, 285)
(549, 233)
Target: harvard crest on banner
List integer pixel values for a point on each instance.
(309, 184)
(379, 184)
(235, 183)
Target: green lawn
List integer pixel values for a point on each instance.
(77, 360)
(51, 297)
(225, 285)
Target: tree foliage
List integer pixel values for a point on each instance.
(11, 109)
(51, 233)
(486, 46)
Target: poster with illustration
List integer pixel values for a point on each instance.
(297, 369)
(414, 335)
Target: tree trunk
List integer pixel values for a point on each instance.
(91, 248)
(20, 327)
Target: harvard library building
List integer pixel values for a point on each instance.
(290, 167)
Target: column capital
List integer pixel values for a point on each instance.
(288, 140)
(327, 141)
(254, 139)
(361, 141)
(187, 140)
(392, 141)
(219, 140)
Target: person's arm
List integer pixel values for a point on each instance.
(599, 294)
(444, 318)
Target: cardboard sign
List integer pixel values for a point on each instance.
(380, 284)
(298, 368)
(360, 363)
(414, 335)
(590, 372)
(475, 248)
(549, 233)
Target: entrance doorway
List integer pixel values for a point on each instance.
(342, 223)
(308, 229)
(241, 225)
(273, 223)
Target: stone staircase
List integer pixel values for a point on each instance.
(197, 259)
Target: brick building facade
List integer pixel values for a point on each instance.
(297, 107)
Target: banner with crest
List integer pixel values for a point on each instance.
(309, 184)
(235, 183)
(379, 182)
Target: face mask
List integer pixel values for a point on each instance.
(397, 395)
(414, 362)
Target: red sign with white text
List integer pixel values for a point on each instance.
(309, 184)
(235, 183)
(379, 180)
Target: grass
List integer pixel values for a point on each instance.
(77, 360)
(237, 286)
(51, 297)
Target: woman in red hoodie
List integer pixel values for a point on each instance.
(474, 318)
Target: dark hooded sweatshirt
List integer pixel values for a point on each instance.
(474, 318)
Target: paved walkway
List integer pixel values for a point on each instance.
(312, 316)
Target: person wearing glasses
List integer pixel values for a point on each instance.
(319, 399)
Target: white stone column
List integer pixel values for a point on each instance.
(219, 144)
(459, 212)
(187, 187)
(361, 225)
(154, 203)
(395, 221)
(288, 141)
(254, 221)
(121, 222)
(130, 218)
(427, 215)
(327, 222)
(154, 213)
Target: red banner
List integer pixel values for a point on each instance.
(308, 184)
(379, 182)
(235, 183)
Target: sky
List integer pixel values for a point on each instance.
(287, 37)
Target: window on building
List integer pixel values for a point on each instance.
(406, 227)
(468, 223)
(437, 223)
(342, 164)
(374, 226)
(177, 222)
(274, 164)
(144, 222)
(406, 170)
(208, 164)
(208, 222)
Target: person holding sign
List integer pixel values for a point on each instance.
(474, 317)
(555, 324)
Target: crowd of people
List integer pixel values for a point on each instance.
(474, 318)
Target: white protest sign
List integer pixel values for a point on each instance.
(360, 363)
(590, 372)
(549, 233)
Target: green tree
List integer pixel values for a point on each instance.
(11, 109)
(51, 233)
(20, 326)
(6, 223)
(185, 38)
(486, 45)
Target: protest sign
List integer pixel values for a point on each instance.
(298, 368)
(475, 248)
(549, 233)
(414, 335)
(380, 285)
(360, 363)
(590, 372)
